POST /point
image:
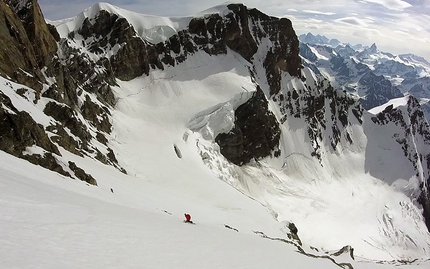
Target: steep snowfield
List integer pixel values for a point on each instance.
(163, 130)
(49, 221)
(53, 222)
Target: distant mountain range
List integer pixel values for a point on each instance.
(372, 75)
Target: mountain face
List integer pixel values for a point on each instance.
(374, 76)
(84, 80)
(276, 122)
(414, 130)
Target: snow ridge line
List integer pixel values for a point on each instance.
(302, 251)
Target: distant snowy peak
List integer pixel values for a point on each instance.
(322, 40)
(412, 58)
(370, 74)
(318, 40)
(372, 54)
(373, 48)
(221, 9)
(153, 29)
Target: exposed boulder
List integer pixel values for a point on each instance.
(293, 233)
(80, 174)
(68, 119)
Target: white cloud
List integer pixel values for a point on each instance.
(353, 21)
(319, 12)
(391, 4)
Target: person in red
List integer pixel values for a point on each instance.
(188, 218)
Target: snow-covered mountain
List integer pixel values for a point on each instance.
(214, 115)
(374, 76)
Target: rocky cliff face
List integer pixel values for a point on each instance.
(18, 131)
(18, 57)
(32, 54)
(42, 40)
(414, 140)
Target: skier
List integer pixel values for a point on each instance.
(187, 218)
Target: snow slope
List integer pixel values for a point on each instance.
(49, 221)
(53, 222)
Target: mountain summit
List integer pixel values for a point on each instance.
(223, 96)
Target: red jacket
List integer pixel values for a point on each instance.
(187, 217)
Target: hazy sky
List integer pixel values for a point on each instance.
(396, 26)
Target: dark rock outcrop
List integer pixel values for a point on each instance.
(243, 31)
(19, 132)
(67, 118)
(424, 200)
(256, 132)
(80, 174)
